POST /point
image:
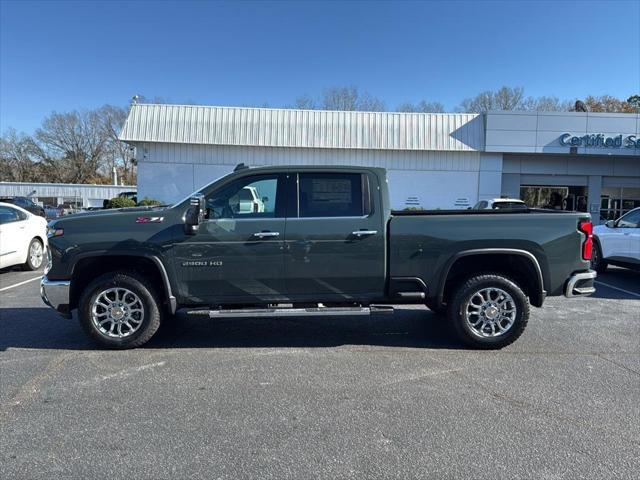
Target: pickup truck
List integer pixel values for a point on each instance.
(323, 242)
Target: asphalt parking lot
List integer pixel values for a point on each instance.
(380, 397)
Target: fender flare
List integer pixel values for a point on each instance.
(492, 251)
(164, 276)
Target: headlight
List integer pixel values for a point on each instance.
(54, 232)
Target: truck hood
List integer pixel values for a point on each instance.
(114, 211)
(113, 216)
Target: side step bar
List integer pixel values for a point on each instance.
(291, 312)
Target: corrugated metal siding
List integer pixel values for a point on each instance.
(303, 128)
(19, 189)
(167, 153)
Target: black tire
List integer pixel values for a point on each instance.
(598, 263)
(29, 265)
(151, 316)
(464, 293)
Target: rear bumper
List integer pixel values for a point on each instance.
(581, 284)
(55, 293)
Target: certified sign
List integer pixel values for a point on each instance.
(599, 140)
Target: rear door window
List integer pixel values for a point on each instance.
(9, 215)
(331, 195)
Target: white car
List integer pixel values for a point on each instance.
(617, 242)
(496, 203)
(23, 237)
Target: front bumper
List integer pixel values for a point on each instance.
(55, 293)
(581, 284)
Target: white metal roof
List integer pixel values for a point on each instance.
(269, 127)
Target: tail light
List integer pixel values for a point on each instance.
(587, 246)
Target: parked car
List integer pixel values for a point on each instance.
(343, 251)
(51, 212)
(617, 242)
(67, 209)
(23, 237)
(496, 203)
(26, 204)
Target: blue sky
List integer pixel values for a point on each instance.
(61, 56)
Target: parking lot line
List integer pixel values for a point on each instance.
(20, 283)
(618, 288)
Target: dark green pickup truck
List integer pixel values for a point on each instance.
(279, 241)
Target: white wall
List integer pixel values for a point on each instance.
(170, 172)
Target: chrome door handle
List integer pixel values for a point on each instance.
(362, 233)
(266, 234)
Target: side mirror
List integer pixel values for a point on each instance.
(265, 199)
(610, 224)
(194, 215)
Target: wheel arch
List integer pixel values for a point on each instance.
(90, 266)
(520, 265)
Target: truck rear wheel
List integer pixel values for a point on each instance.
(119, 310)
(489, 311)
(598, 263)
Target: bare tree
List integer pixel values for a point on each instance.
(368, 103)
(117, 154)
(341, 98)
(547, 104)
(305, 102)
(505, 98)
(421, 107)
(20, 158)
(77, 141)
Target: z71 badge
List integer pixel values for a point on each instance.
(202, 263)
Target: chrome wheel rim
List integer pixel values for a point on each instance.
(490, 312)
(36, 254)
(117, 312)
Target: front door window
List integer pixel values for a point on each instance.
(253, 197)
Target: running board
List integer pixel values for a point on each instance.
(291, 312)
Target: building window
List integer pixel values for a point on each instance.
(616, 201)
(573, 199)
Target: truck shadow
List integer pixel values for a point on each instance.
(40, 328)
(618, 284)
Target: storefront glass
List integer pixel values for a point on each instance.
(555, 198)
(615, 202)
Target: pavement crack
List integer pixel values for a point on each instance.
(619, 365)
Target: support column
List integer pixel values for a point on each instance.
(511, 185)
(594, 192)
(490, 176)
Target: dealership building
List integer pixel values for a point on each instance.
(563, 160)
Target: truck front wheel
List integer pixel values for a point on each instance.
(489, 311)
(119, 310)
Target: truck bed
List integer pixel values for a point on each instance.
(423, 243)
(422, 213)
